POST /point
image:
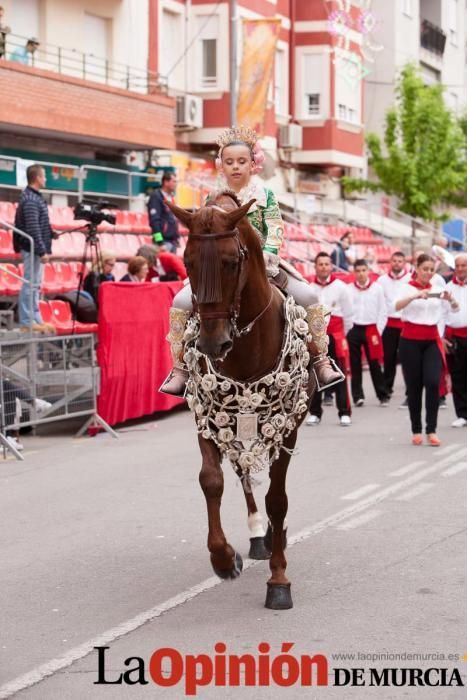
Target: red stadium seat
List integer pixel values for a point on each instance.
(6, 244)
(12, 284)
(63, 320)
(51, 283)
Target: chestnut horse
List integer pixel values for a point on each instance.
(241, 298)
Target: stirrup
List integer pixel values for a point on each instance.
(335, 367)
(181, 395)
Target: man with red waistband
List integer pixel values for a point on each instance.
(333, 294)
(391, 283)
(455, 340)
(369, 318)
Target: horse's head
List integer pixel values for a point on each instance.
(216, 258)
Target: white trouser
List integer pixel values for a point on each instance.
(298, 289)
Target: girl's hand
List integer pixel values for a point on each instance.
(447, 296)
(423, 294)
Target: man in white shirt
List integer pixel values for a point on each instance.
(455, 340)
(369, 318)
(333, 294)
(391, 283)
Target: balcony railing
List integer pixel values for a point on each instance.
(78, 64)
(432, 38)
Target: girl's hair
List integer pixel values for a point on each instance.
(136, 264)
(424, 257)
(98, 265)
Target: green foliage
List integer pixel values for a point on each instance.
(425, 163)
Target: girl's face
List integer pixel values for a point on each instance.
(109, 265)
(425, 272)
(237, 166)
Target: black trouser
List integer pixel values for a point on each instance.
(457, 364)
(422, 365)
(391, 347)
(356, 338)
(341, 390)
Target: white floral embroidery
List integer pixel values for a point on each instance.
(278, 399)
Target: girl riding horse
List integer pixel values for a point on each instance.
(240, 157)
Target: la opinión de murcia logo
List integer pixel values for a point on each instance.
(351, 65)
(167, 667)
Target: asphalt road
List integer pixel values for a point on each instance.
(102, 543)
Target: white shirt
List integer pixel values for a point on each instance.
(457, 319)
(428, 312)
(335, 296)
(369, 306)
(391, 288)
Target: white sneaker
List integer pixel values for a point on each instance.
(459, 423)
(41, 405)
(345, 420)
(15, 443)
(313, 420)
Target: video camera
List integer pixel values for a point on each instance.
(92, 212)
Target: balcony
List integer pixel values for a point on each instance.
(432, 38)
(67, 94)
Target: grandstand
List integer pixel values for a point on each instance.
(131, 230)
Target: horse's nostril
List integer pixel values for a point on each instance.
(225, 347)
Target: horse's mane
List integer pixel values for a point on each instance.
(216, 195)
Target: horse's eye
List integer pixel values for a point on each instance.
(230, 265)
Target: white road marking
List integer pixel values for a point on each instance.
(353, 495)
(455, 469)
(407, 469)
(446, 450)
(359, 520)
(416, 491)
(49, 668)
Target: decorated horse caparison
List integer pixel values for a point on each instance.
(246, 351)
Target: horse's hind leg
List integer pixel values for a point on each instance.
(258, 550)
(278, 594)
(225, 561)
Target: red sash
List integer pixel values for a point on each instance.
(336, 329)
(451, 332)
(394, 322)
(375, 346)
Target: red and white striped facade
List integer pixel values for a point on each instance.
(187, 37)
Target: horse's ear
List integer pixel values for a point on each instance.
(237, 214)
(183, 215)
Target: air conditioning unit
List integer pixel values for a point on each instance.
(189, 112)
(291, 137)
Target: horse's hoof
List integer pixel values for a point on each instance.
(278, 597)
(268, 538)
(257, 549)
(232, 573)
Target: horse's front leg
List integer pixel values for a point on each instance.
(278, 594)
(225, 561)
(258, 548)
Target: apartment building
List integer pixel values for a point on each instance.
(86, 93)
(432, 34)
(314, 116)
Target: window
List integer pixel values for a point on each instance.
(313, 101)
(280, 84)
(452, 21)
(407, 7)
(209, 52)
(348, 96)
(314, 85)
(208, 29)
(96, 47)
(23, 17)
(170, 33)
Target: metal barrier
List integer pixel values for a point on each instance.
(46, 379)
(34, 285)
(78, 64)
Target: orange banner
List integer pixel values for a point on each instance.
(259, 47)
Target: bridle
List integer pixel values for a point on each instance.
(233, 312)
